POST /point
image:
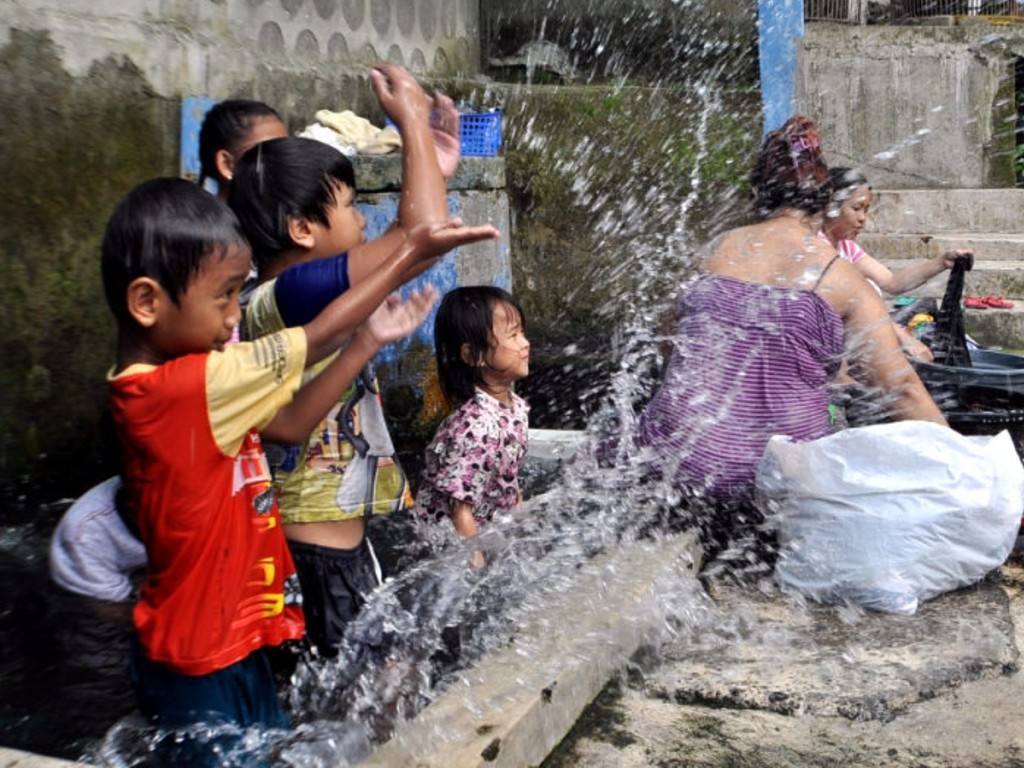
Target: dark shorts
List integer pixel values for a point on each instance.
(224, 702)
(335, 585)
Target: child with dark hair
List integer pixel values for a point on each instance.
(471, 467)
(188, 408)
(295, 198)
(229, 130)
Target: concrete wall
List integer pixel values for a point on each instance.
(92, 93)
(915, 106)
(208, 46)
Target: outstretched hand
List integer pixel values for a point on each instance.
(444, 125)
(429, 241)
(396, 318)
(401, 96)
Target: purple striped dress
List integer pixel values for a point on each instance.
(750, 361)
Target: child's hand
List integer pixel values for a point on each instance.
(395, 319)
(444, 124)
(429, 241)
(402, 98)
(476, 560)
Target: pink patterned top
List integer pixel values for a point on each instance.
(475, 458)
(847, 249)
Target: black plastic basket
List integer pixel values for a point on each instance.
(979, 391)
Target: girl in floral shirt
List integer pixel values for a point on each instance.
(471, 468)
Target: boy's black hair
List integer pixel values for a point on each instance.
(466, 317)
(226, 126)
(163, 229)
(282, 178)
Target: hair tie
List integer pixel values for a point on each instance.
(802, 144)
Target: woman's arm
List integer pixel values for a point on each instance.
(873, 349)
(909, 278)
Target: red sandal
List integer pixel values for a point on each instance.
(998, 302)
(975, 302)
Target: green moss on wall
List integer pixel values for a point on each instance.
(611, 191)
(70, 147)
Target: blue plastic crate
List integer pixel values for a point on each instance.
(480, 133)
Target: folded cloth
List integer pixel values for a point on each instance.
(358, 132)
(328, 137)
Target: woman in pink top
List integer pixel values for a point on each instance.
(845, 219)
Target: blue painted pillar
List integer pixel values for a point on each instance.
(780, 26)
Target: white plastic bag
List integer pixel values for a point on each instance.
(891, 514)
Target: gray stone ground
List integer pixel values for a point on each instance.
(773, 683)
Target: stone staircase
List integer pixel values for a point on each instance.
(912, 225)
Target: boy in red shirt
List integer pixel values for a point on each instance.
(189, 408)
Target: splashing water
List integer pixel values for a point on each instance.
(416, 637)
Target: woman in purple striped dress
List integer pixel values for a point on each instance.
(760, 333)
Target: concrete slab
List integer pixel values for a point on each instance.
(518, 703)
(775, 685)
(872, 668)
(935, 211)
(15, 758)
(997, 328)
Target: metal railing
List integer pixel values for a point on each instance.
(850, 11)
(995, 8)
(860, 12)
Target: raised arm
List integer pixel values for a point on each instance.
(417, 250)
(394, 319)
(424, 189)
(907, 279)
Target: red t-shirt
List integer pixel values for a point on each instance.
(220, 581)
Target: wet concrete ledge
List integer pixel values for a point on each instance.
(15, 758)
(517, 704)
(766, 682)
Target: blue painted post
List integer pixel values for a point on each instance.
(780, 25)
(193, 110)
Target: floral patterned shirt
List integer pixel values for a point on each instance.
(475, 458)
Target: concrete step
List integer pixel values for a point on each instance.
(934, 211)
(902, 245)
(997, 328)
(993, 328)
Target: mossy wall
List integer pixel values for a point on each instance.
(69, 147)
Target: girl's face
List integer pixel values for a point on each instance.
(848, 222)
(508, 359)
